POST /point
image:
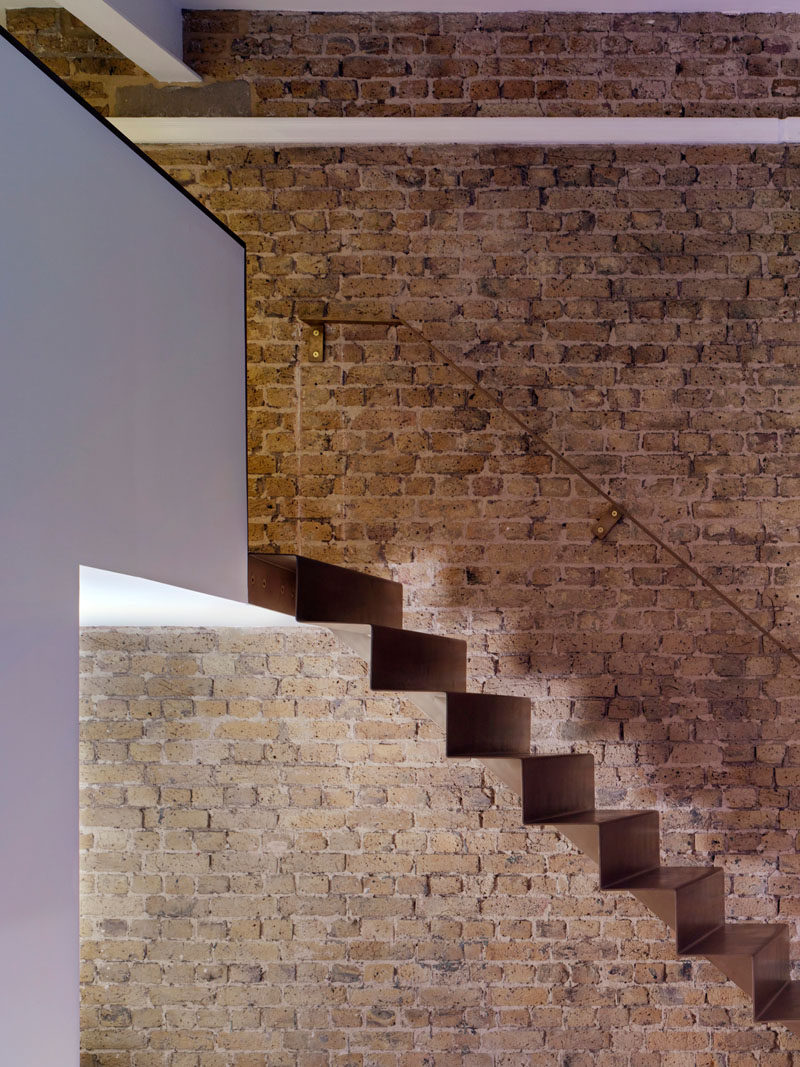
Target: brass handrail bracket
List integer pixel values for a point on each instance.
(608, 518)
(314, 341)
(314, 332)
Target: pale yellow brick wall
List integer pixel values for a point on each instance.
(280, 869)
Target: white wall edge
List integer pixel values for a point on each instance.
(151, 54)
(421, 131)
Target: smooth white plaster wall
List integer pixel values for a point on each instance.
(122, 446)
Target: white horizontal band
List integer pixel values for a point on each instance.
(484, 131)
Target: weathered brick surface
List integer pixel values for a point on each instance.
(281, 869)
(503, 64)
(639, 307)
(493, 64)
(636, 305)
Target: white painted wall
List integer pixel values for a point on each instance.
(111, 599)
(122, 446)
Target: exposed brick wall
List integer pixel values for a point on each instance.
(280, 869)
(638, 306)
(285, 63)
(635, 304)
(503, 64)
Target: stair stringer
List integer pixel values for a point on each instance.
(357, 639)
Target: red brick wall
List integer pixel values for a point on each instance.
(503, 64)
(428, 64)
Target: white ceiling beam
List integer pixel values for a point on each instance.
(448, 131)
(150, 32)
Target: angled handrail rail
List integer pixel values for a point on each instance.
(395, 321)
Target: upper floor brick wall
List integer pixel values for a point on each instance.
(290, 63)
(503, 64)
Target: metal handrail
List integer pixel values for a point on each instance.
(396, 321)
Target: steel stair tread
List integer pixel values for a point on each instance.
(414, 661)
(666, 878)
(737, 939)
(785, 1007)
(597, 816)
(489, 754)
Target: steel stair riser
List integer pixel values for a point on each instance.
(621, 848)
(784, 1008)
(755, 956)
(771, 970)
(556, 785)
(485, 725)
(763, 972)
(323, 592)
(272, 586)
(407, 661)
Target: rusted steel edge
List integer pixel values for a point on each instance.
(479, 390)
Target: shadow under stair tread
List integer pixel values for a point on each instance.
(785, 1007)
(598, 816)
(737, 939)
(666, 878)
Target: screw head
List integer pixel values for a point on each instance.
(600, 529)
(316, 355)
(316, 333)
(613, 514)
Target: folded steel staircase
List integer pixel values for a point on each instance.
(366, 613)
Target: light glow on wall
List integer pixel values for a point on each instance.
(111, 599)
